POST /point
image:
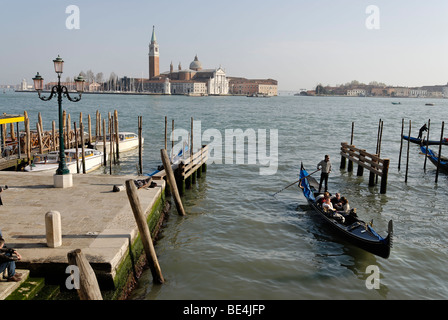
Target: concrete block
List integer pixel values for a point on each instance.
(53, 229)
(63, 181)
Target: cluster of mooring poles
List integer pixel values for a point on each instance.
(23, 145)
(365, 160)
(423, 143)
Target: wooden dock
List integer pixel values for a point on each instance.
(186, 171)
(365, 160)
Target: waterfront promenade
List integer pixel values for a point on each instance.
(94, 219)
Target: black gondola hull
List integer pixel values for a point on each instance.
(376, 247)
(357, 232)
(424, 142)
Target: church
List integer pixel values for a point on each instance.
(194, 81)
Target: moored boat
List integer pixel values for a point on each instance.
(424, 142)
(434, 158)
(352, 229)
(50, 162)
(127, 141)
(175, 160)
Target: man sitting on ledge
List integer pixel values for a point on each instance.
(8, 258)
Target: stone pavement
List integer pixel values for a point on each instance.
(94, 219)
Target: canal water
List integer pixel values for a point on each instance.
(238, 241)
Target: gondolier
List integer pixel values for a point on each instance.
(422, 129)
(325, 165)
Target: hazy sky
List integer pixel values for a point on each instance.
(299, 43)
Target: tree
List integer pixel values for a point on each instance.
(90, 76)
(320, 89)
(99, 77)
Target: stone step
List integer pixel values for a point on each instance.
(6, 288)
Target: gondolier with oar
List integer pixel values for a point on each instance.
(325, 166)
(422, 129)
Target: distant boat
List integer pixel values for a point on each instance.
(429, 104)
(50, 162)
(396, 102)
(258, 95)
(127, 141)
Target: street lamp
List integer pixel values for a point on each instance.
(60, 91)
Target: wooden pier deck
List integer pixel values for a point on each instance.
(94, 219)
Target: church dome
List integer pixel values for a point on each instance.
(196, 65)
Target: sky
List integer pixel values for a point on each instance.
(296, 42)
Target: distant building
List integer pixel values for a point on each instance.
(253, 86)
(417, 93)
(357, 92)
(195, 80)
(94, 87)
(153, 56)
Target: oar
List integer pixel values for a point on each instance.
(296, 182)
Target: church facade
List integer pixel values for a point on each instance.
(192, 81)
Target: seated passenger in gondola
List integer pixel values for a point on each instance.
(320, 198)
(328, 208)
(344, 207)
(336, 201)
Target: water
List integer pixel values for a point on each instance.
(239, 242)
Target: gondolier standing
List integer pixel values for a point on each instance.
(422, 129)
(325, 165)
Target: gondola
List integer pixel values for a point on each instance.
(424, 142)
(353, 229)
(434, 158)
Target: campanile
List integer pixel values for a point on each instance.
(153, 56)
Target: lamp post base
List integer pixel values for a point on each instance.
(63, 181)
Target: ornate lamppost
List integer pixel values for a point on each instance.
(60, 91)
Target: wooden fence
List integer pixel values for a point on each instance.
(373, 163)
(187, 170)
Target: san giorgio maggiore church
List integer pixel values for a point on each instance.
(197, 81)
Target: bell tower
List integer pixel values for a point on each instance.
(153, 56)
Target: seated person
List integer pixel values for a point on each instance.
(344, 206)
(336, 201)
(8, 258)
(320, 198)
(328, 207)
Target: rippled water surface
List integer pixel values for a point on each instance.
(240, 242)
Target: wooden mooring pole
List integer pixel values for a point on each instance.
(172, 182)
(88, 284)
(140, 145)
(401, 144)
(407, 157)
(104, 143)
(83, 155)
(350, 163)
(427, 145)
(76, 147)
(145, 234)
(440, 152)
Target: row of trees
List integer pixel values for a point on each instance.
(91, 77)
(320, 89)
